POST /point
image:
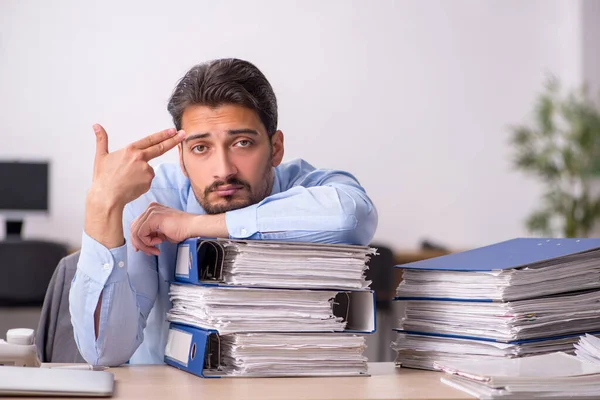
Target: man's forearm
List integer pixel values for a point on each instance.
(107, 314)
(104, 220)
(337, 213)
(209, 226)
(103, 223)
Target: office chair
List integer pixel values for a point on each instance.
(54, 335)
(26, 267)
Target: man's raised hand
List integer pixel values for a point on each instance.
(125, 174)
(120, 177)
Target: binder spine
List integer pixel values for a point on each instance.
(193, 350)
(200, 262)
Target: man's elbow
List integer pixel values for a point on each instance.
(117, 341)
(362, 231)
(358, 221)
(110, 356)
(107, 359)
(113, 360)
(106, 354)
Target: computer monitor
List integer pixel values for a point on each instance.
(23, 191)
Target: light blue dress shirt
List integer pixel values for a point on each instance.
(306, 204)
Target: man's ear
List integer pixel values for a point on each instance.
(277, 146)
(181, 164)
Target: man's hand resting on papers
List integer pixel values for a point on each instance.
(159, 223)
(120, 177)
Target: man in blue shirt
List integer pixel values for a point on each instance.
(230, 183)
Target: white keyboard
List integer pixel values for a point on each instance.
(24, 381)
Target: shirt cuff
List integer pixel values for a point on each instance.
(100, 264)
(242, 223)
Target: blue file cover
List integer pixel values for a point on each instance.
(191, 349)
(512, 253)
(199, 262)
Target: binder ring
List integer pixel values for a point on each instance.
(193, 352)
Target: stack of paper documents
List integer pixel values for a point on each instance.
(302, 354)
(477, 279)
(269, 264)
(244, 308)
(421, 351)
(554, 375)
(506, 322)
(512, 299)
(277, 264)
(588, 348)
(228, 309)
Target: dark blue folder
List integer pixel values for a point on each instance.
(192, 350)
(513, 253)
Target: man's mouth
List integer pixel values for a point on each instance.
(227, 190)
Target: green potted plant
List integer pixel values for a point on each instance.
(562, 148)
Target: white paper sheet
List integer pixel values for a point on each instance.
(254, 310)
(554, 375)
(295, 265)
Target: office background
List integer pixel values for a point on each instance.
(414, 97)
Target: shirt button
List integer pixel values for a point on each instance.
(121, 264)
(243, 232)
(106, 266)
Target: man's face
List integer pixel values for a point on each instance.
(228, 157)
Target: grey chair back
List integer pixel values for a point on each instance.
(54, 336)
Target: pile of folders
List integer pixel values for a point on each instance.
(521, 297)
(261, 308)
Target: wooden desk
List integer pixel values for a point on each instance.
(158, 382)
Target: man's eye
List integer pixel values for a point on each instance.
(199, 149)
(243, 143)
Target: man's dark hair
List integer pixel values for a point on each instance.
(225, 81)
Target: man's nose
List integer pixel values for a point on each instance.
(224, 168)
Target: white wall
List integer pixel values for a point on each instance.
(413, 97)
(590, 10)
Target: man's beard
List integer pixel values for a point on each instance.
(229, 203)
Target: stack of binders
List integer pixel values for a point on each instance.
(521, 297)
(268, 309)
